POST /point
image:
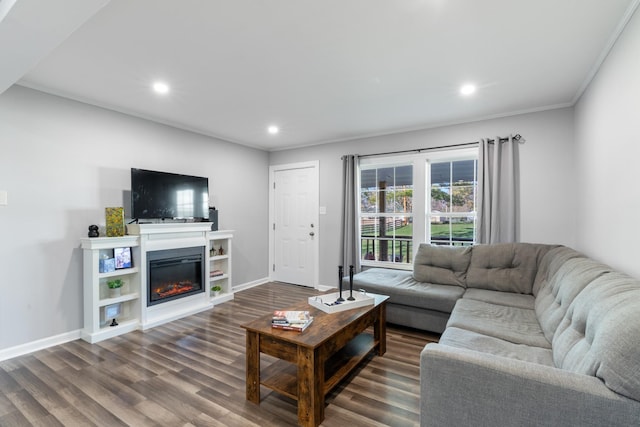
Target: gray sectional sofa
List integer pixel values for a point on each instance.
(531, 335)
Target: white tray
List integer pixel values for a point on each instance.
(327, 302)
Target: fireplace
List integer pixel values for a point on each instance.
(174, 274)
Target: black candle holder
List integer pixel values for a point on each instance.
(340, 276)
(351, 298)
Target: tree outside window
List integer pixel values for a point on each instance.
(452, 214)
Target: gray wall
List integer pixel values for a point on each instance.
(547, 174)
(62, 162)
(607, 150)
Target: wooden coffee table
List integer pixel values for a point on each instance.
(314, 361)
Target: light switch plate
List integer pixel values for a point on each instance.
(3, 198)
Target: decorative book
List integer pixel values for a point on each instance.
(298, 327)
(291, 320)
(115, 221)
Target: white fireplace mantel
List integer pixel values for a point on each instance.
(155, 237)
(169, 227)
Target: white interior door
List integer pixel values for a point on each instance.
(295, 225)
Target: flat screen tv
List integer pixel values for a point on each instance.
(163, 195)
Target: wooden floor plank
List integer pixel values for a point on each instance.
(191, 372)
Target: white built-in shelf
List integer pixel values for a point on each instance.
(96, 327)
(121, 272)
(222, 297)
(121, 298)
(220, 239)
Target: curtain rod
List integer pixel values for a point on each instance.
(516, 137)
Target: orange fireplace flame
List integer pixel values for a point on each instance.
(171, 289)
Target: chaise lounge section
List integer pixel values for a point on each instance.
(540, 335)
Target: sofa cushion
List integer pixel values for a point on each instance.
(550, 263)
(462, 338)
(600, 334)
(444, 265)
(508, 267)
(403, 289)
(564, 284)
(516, 325)
(501, 298)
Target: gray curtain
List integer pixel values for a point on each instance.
(349, 244)
(498, 198)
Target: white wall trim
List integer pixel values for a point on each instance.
(251, 284)
(324, 288)
(605, 52)
(30, 347)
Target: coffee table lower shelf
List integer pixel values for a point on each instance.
(282, 376)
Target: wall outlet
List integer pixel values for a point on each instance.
(3, 198)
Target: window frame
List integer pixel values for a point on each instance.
(446, 157)
(421, 163)
(379, 163)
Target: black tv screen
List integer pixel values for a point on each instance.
(160, 195)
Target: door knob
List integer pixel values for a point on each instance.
(312, 234)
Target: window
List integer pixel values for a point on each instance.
(184, 203)
(452, 209)
(386, 213)
(425, 197)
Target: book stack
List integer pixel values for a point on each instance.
(216, 273)
(291, 320)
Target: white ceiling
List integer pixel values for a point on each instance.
(322, 71)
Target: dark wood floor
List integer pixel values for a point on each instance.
(191, 372)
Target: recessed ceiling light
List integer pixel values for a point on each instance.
(161, 88)
(273, 129)
(467, 89)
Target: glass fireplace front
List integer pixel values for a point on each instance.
(174, 273)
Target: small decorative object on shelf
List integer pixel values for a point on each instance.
(115, 221)
(221, 250)
(93, 231)
(106, 264)
(216, 290)
(112, 312)
(122, 257)
(114, 288)
(212, 252)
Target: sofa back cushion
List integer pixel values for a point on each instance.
(567, 273)
(600, 332)
(444, 265)
(549, 264)
(507, 267)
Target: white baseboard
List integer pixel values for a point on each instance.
(30, 347)
(251, 284)
(323, 288)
